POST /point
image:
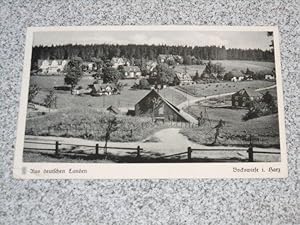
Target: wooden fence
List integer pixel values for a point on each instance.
(58, 151)
(249, 150)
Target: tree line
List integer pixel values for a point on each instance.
(148, 52)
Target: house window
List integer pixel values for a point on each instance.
(236, 103)
(244, 98)
(236, 98)
(244, 104)
(161, 110)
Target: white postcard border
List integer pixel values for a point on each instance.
(23, 170)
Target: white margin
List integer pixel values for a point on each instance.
(147, 170)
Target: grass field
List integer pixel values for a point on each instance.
(264, 130)
(202, 90)
(229, 65)
(89, 124)
(127, 99)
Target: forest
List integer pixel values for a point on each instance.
(148, 52)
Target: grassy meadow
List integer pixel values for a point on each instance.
(89, 124)
(202, 90)
(264, 130)
(127, 99)
(229, 65)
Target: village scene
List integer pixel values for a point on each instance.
(148, 103)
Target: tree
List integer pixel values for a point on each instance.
(33, 91)
(218, 69)
(73, 72)
(111, 75)
(165, 74)
(197, 76)
(112, 125)
(144, 84)
(228, 76)
(50, 100)
(269, 100)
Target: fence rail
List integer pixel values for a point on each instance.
(58, 151)
(57, 148)
(248, 150)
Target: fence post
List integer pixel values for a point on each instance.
(250, 154)
(189, 153)
(97, 149)
(138, 152)
(56, 148)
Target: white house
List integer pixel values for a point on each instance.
(183, 79)
(52, 66)
(237, 78)
(269, 77)
(132, 72)
(117, 61)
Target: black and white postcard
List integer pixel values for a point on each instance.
(132, 102)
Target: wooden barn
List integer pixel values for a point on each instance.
(243, 97)
(154, 105)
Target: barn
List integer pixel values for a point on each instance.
(154, 105)
(243, 97)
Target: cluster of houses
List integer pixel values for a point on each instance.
(170, 59)
(242, 77)
(52, 66)
(98, 90)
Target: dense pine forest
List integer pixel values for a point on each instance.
(150, 52)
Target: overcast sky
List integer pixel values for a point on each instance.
(231, 39)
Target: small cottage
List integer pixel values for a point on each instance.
(132, 72)
(183, 79)
(103, 89)
(269, 77)
(89, 66)
(154, 105)
(243, 98)
(118, 61)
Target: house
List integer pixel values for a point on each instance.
(269, 77)
(132, 72)
(154, 105)
(151, 65)
(103, 89)
(89, 66)
(113, 109)
(243, 97)
(168, 58)
(237, 78)
(118, 61)
(55, 66)
(183, 79)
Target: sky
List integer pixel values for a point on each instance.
(230, 39)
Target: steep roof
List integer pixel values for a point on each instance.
(183, 77)
(250, 92)
(173, 107)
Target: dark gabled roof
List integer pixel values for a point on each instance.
(249, 92)
(173, 107)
